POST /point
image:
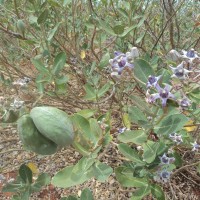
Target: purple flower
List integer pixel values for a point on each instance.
(120, 62)
(176, 138)
(123, 61)
(166, 160)
(153, 81)
(190, 54)
(163, 94)
(191, 57)
(179, 71)
(184, 102)
(195, 146)
(122, 130)
(162, 176)
(165, 176)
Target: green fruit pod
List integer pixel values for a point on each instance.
(32, 139)
(54, 124)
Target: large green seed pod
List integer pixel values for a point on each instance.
(32, 139)
(54, 124)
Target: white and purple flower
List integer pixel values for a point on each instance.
(166, 160)
(184, 102)
(163, 94)
(162, 176)
(123, 61)
(195, 146)
(176, 138)
(153, 81)
(179, 71)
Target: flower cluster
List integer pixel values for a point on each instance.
(164, 175)
(190, 57)
(176, 138)
(123, 62)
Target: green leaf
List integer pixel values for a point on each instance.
(142, 70)
(166, 76)
(39, 66)
(83, 125)
(125, 177)
(130, 153)
(16, 197)
(135, 136)
(83, 165)
(26, 194)
(142, 105)
(106, 27)
(86, 194)
(70, 197)
(26, 174)
(157, 192)
(42, 180)
(12, 187)
(123, 12)
(171, 124)
(65, 178)
(104, 61)
(59, 62)
(136, 115)
(96, 131)
(195, 95)
(90, 92)
(141, 193)
(83, 151)
(126, 120)
(141, 22)
(103, 90)
(87, 113)
(150, 149)
(66, 2)
(140, 38)
(43, 16)
(127, 31)
(61, 80)
(52, 32)
(101, 171)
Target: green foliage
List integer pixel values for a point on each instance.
(24, 186)
(66, 49)
(86, 194)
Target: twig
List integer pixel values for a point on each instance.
(172, 191)
(8, 140)
(162, 32)
(190, 179)
(13, 34)
(184, 167)
(92, 44)
(10, 150)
